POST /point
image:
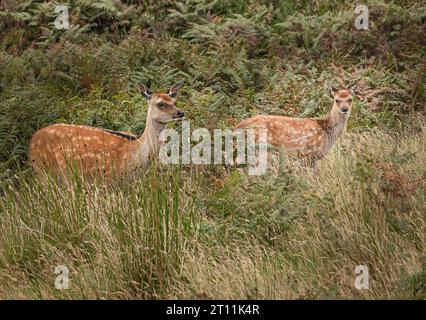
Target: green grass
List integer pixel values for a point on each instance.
(213, 231)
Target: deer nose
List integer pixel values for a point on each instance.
(180, 113)
(344, 109)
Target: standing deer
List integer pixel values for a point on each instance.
(306, 139)
(95, 152)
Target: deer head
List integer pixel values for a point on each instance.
(162, 106)
(342, 105)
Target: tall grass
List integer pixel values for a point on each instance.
(117, 241)
(172, 234)
(287, 237)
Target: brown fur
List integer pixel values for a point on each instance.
(94, 152)
(165, 98)
(307, 139)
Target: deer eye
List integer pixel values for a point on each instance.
(338, 101)
(160, 104)
(350, 100)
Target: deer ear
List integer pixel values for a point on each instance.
(145, 91)
(333, 90)
(174, 90)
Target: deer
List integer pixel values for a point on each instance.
(306, 139)
(96, 152)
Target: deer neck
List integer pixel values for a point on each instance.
(335, 125)
(148, 143)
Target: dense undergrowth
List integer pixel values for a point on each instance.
(210, 231)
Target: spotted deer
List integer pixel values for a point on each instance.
(96, 152)
(308, 139)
